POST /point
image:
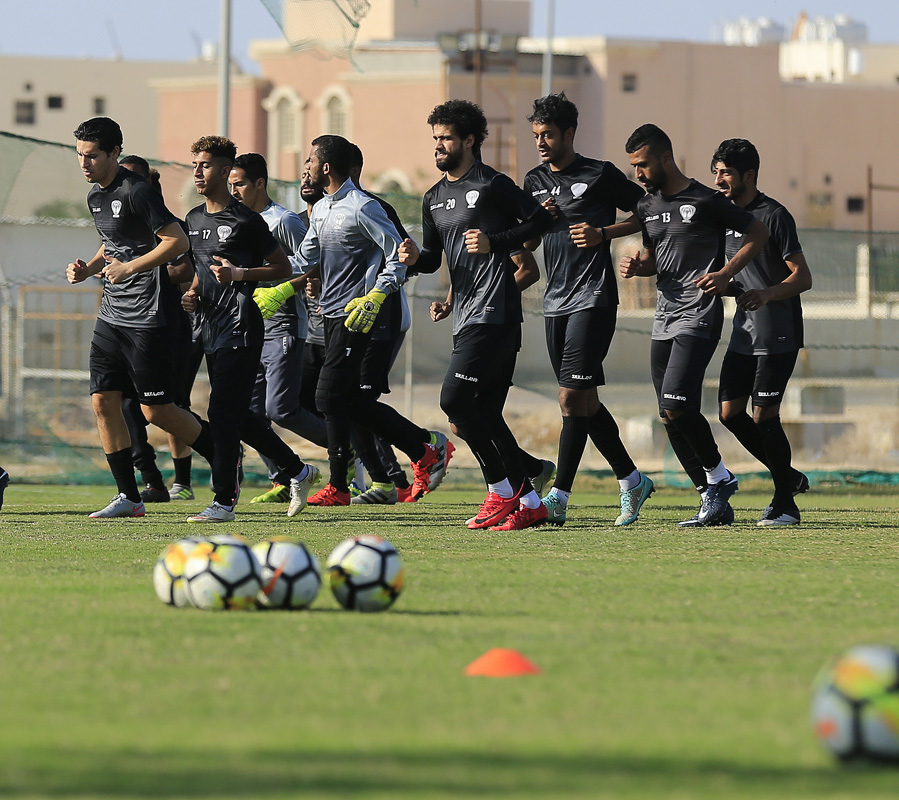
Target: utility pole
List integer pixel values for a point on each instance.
(224, 104)
(548, 53)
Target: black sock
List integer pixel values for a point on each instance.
(695, 428)
(152, 477)
(687, 458)
(747, 433)
(572, 441)
(183, 469)
(778, 454)
(605, 435)
(122, 468)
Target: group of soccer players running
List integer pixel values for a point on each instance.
(253, 268)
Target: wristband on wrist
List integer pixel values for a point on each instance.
(603, 232)
(238, 273)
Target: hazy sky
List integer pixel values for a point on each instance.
(173, 29)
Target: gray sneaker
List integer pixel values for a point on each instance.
(376, 496)
(299, 491)
(181, 491)
(120, 506)
(214, 513)
(632, 500)
(544, 480)
(557, 510)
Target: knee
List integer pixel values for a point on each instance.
(104, 405)
(763, 414)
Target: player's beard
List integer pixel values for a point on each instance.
(450, 161)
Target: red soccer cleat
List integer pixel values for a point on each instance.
(524, 518)
(494, 510)
(329, 496)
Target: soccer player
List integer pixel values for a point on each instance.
(180, 272)
(477, 216)
(767, 329)
(232, 250)
(131, 349)
(387, 336)
(580, 304)
(684, 225)
(276, 395)
(349, 237)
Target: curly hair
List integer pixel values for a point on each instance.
(464, 117)
(216, 146)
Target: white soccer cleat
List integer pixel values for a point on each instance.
(120, 507)
(299, 491)
(214, 513)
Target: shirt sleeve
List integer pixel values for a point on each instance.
(517, 205)
(263, 239)
(373, 220)
(730, 215)
(783, 232)
(625, 193)
(291, 232)
(148, 204)
(431, 244)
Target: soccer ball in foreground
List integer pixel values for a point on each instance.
(168, 573)
(291, 575)
(855, 709)
(365, 573)
(223, 573)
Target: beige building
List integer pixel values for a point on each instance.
(46, 98)
(413, 54)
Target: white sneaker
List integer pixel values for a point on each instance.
(120, 506)
(299, 491)
(215, 513)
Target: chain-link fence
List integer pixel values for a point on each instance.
(840, 408)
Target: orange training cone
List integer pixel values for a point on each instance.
(502, 663)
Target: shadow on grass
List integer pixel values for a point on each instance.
(196, 773)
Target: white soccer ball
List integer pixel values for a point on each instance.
(365, 573)
(291, 575)
(222, 574)
(168, 572)
(855, 708)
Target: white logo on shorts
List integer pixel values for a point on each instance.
(577, 189)
(687, 212)
(116, 206)
(223, 231)
(462, 377)
(472, 197)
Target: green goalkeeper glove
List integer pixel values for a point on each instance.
(270, 300)
(363, 311)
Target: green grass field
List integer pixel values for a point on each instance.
(676, 663)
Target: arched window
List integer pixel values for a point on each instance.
(335, 114)
(286, 117)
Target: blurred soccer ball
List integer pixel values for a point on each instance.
(365, 573)
(291, 575)
(221, 574)
(855, 708)
(168, 572)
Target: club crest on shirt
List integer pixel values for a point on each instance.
(472, 197)
(116, 206)
(687, 212)
(577, 189)
(338, 220)
(223, 231)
